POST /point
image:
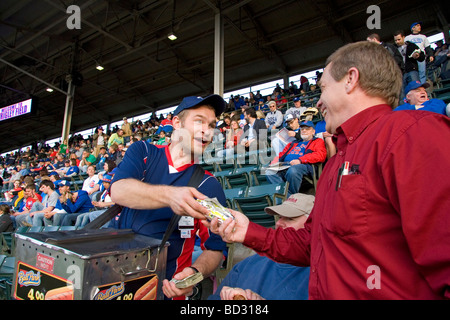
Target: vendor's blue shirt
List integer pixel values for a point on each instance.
(153, 164)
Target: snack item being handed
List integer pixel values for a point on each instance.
(215, 209)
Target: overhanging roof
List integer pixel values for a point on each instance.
(144, 71)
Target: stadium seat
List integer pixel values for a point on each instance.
(236, 180)
(317, 171)
(35, 229)
(258, 198)
(230, 194)
(50, 228)
(21, 229)
(67, 228)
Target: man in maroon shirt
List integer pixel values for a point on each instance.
(380, 226)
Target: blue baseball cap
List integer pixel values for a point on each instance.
(62, 183)
(415, 24)
(107, 178)
(414, 85)
(307, 124)
(213, 100)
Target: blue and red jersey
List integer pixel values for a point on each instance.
(153, 164)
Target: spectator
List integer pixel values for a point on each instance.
(232, 137)
(6, 223)
(297, 110)
(293, 132)
(299, 155)
(411, 55)
(120, 153)
(15, 175)
(255, 131)
(116, 138)
(74, 204)
(260, 277)
(163, 140)
(166, 125)
(30, 197)
(424, 45)
(90, 184)
(99, 140)
(150, 184)
(13, 193)
(304, 84)
(417, 99)
(238, 102)
(127, 131)
(101, 205)
(62, 171)
(54, 216)
(101, 158)
(112, 152)
(87, 159)
(395, 53)
(39, 209)
(225, 125)
(73, 169)
(369, 236)
(24, 171)
(274, 118)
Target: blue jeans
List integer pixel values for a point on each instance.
(293, 175)
(422, 71)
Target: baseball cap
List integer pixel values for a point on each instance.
(62, 183)
(307, 124)
(214, 100)
(414, 85)
(289, 117)
(107, 178)
(415, 24)
(296, 99)
(296, 205)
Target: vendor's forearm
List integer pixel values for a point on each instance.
(136, 194)
(208, 262)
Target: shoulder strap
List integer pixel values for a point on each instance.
(194, 182)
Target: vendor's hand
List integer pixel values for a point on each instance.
(171, 291)
(294, 162)
(231, 230)
(228, 293)
(183, 203)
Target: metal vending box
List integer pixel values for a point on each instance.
(103, 264)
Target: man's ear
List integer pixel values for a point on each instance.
(176, 122)
(351, 79)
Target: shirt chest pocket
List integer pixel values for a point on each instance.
(347, 213)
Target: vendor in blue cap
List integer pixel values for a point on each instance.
(151, 184)
(417, 99)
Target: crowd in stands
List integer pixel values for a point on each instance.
(38, 184)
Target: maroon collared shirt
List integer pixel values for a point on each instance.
(383, 232)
